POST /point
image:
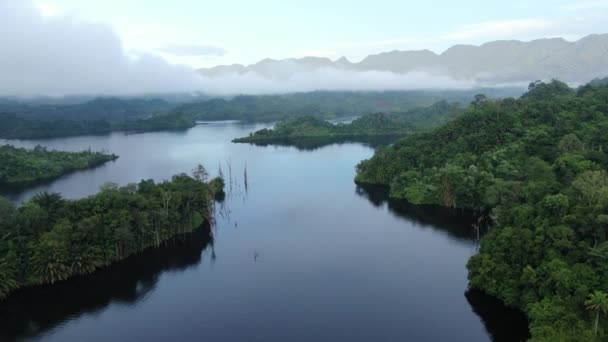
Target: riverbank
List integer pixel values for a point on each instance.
(23, 167)
(50, 239)
(537, 165)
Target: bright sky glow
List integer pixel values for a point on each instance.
(207, 33)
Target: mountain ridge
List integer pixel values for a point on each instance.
(496, 61)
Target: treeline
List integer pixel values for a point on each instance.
(32, 119)
(15, 127)
(535, 169)
(324, 104)
(108, 109)
(20, 166)
(376, 124)
(49, 239)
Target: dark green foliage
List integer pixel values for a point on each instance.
(49, 239)
(20, 166)
(31, 120)
(324, 104)
(15, 127)
(536, 166)
(23, 120)
(108, 109)
(377, 124)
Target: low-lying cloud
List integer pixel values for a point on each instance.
(332, 79)
(187, 50)
(61, 55)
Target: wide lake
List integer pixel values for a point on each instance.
(298, 253)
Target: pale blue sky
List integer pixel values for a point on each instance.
(223, 32)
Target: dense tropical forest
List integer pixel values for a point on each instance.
(21, 166)
(377, 124)
(325, 104)
(110, 109)
(15, 127)
(535, 170)
(34, 119)
(49, 239)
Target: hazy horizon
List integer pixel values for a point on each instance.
(57, 48)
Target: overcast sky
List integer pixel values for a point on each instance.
(206, 33)
(59, 47)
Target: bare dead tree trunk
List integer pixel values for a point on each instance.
(229, 163)
(245, 177)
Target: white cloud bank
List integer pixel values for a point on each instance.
(57, 55)
(333, 79)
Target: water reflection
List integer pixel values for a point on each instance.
(32, 311)
(308, 260)
(315, 143)
(501, 322)
(457, 223)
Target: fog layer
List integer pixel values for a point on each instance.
(61, 55)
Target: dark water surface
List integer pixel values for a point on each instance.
(298, 254)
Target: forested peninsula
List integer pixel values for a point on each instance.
(300, 129)
(16, 127)
(32, 119)
(534, 168)
(49, 239)
(21, 166)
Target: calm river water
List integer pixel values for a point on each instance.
(298, 254)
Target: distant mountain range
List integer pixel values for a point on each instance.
(494, 62)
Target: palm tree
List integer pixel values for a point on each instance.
(598, 303)
(600, 251)
(7, 281)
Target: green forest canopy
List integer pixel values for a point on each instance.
(49, 239)
(536, 166)
(20, 166)
(34, 119)
(375, 124)
(325, 104)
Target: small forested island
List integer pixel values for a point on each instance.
(534, 168)
(370, 125)
(21, 166)
(49, 239)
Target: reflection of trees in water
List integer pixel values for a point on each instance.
(501, 322)
(315, 143)
(32, 311)
(456, 223)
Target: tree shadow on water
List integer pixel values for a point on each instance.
(502, 323)
(456, 223)
(29, 312)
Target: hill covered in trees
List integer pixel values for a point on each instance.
(21, 166)
(49, 239)
(109, 109)
(48, 119)
(535, 170)
(300, 129)
(16, 127)
(325, 104)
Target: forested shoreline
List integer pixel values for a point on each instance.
(49, 239)
(23, 119)
(21, 166)
(372, 125)
(327, 104)
(15, 127)
(535, 169)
